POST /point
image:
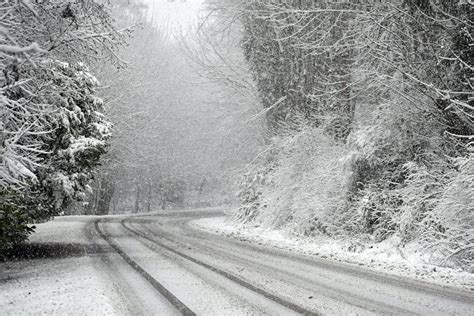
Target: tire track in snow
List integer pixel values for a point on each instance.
(225, 274)
(424, 299)
(180, 306)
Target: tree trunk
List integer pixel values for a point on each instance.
(105, 196)
(150, 196)
(137, 199)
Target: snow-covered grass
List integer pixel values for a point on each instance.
(385, 257)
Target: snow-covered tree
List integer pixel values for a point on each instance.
(51, 132)
(81, 132)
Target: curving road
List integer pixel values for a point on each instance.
(171, 268)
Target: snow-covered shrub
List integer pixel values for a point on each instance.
(251, 188)
(303, 188)
(455, 211)
(441, 204)
(437, 209)
(399, 136)
(421, 194)
(403, 183)
(14, 221)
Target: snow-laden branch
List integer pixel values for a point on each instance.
(17, 49)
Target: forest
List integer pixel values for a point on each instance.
(347, 119)
(369, 113)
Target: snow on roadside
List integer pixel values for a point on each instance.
(64, 276)
(65, 229)
(55, 287)
(383, 257)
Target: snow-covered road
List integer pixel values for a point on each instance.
(160, 265)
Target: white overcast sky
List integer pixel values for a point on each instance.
(174, 15)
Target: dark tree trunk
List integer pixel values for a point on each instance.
(150, 196)
(105, 196)
(137, 199)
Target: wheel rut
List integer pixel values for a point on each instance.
(178, 304)
(270, 296)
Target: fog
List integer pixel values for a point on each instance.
(181, 137)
